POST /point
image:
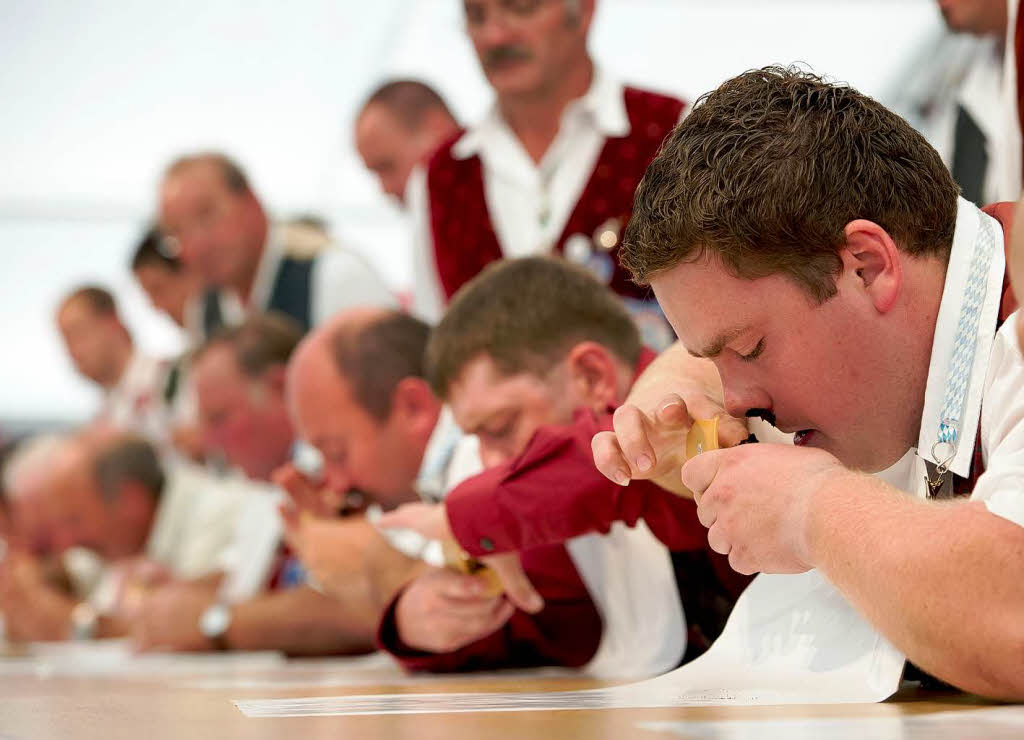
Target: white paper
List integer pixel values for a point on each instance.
(790, 640)
(378, 669)
(116, 658)
(994, 723)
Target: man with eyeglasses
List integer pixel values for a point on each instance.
(553, 166)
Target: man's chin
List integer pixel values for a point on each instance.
(814, 439)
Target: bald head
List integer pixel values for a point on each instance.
(356, 392)
(398, 127)
(371, 348)
(103, 493)
(28, 475)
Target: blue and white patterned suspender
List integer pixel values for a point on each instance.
(958, 382)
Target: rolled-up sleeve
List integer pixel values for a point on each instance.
(1001, 487)
(553, 492)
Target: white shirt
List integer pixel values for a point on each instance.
(203, 525)
(256, 538)
(997, 383)
(195, 522)
(449, 458)
(528, 203)
(1010, 150)
(136, 403)
(340, 279)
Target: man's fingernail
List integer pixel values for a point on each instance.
(643, 463)
(535, 602)
(622, 478)
(669, 404)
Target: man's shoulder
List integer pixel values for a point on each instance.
(650, 105)
(444, 157)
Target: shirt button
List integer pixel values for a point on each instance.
(486, 543)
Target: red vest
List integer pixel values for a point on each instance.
(463, 236)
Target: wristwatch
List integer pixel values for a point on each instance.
(84, 620)
(214, 624)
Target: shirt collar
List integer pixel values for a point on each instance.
(431, 483)
(969, 230)
(603, 104)
(266, 272)
(134, 374)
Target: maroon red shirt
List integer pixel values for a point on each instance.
(566, 632)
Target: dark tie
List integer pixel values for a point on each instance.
(970, 159)
(213, 318)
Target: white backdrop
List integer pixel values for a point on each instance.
(99, 94)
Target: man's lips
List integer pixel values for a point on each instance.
(800, 436)
(803, 437)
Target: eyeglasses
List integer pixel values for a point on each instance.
(510, 12)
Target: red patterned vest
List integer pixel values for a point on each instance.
(464, 238)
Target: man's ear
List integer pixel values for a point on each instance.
(414, 402)
(438, 124)
(872, 260)
(133, 503)
(275, 377)
(592, 375)
(584, 14)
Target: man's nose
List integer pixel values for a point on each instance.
(337, 478)
(742, 398)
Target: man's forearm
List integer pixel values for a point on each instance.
(299, 621)
(942, 581)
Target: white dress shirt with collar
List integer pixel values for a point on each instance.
(796, 637)
(529, 203)
(136, 403)
(341, 279)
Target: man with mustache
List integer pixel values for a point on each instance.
(553, 166)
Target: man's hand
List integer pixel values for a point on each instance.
(307, 494)
(33, 609)
(756, 501)
(652, 445)
(443, 611)
(167, 620)
(431, 521)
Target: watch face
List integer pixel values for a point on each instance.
(215, 621)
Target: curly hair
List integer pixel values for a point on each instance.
(767, 171)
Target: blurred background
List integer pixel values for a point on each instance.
(99, 95)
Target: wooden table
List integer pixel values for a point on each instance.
(200, 707)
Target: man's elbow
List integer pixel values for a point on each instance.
(999, 674)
